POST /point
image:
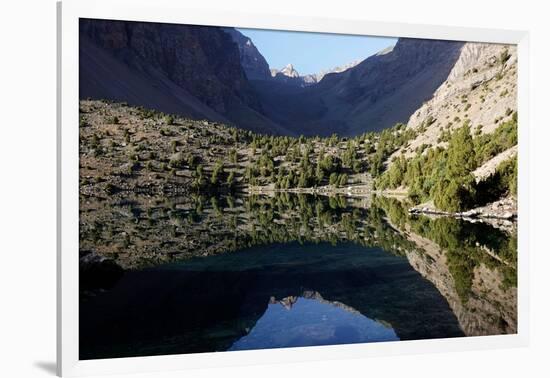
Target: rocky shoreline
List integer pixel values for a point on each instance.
(504, 209)
(327, 190)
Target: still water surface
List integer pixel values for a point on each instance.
(343, 275)
(312, 322)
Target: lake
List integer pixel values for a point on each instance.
(190, 275)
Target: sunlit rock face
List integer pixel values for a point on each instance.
(481, 89)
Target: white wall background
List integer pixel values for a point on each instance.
(27, 187)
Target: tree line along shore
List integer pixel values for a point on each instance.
(132, 148)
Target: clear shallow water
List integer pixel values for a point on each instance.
(312, 322)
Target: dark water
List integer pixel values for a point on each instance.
(283, 292)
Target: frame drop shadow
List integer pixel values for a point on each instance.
(47, 366)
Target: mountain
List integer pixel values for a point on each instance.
(257, 68)
(254, 64)
(289, 75)
(377, 93)
(289, 71)
(189, 70)
(218, 74)
(480, 90)
(317, 77)
(464, 139)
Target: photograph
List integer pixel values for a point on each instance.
(245, 189)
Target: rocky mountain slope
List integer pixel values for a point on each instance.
(125, 148)
(182, 69)
(481, 90)
(463, 141)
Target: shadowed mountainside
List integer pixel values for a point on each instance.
(218, 74)
(379, 92)
(254, 64)
(181, 69)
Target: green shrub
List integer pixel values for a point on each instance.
(217, 171)
(333, 179)
(169, 119)
(343, 179)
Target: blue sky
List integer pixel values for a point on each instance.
(313, 52)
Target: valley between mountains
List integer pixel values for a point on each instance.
(215, 188)
(433, 120)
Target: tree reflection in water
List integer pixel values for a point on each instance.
(199, 272)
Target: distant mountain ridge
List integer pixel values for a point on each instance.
(317, 77)
(290, 75)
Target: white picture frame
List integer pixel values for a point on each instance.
(167, 11)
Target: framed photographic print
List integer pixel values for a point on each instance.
(265, 188)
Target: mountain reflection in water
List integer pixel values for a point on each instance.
(299, 321)
(268, 272)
